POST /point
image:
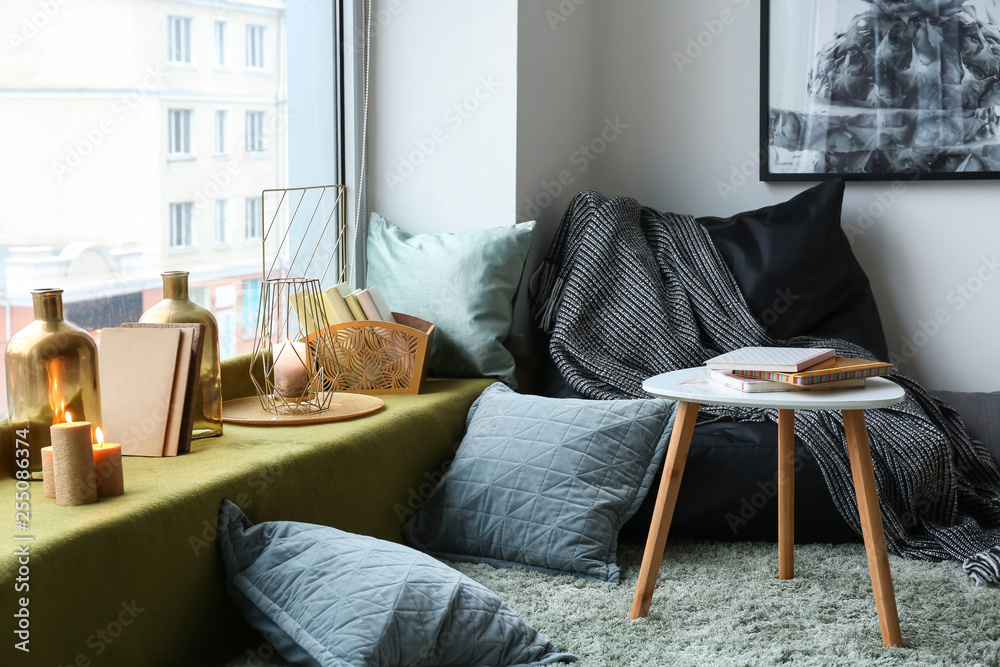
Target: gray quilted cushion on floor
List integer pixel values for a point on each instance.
(544, 482)
(325, 597)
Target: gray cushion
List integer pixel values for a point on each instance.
(544, 483)
(981, 414)
(325, 597)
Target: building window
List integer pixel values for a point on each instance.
(180, 131)
(221, 233)
(255, 46)
(249, 307)
(180, 225)
(220, 131)
(220, 43)
(178, 39)
(253, 222)
(255, 131)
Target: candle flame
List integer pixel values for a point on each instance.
(100, 437)
(69, 416)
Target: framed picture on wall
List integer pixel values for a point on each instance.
(880, 89)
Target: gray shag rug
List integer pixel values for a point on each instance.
(722, 604)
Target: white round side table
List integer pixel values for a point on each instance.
(692, 387)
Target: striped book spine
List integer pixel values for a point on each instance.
(833, 376)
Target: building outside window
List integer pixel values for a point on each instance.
(255, 46)
(255, 131)
(219, 222)
(178, 39)
(180, 225)
(180, 131)
(253, 222)
(220, 43)
(220, 131)
(249, 307)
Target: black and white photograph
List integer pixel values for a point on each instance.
(880, 89)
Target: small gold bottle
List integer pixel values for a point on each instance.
(51, 370)
(178, 308)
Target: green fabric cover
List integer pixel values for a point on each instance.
(149, 557)
(462, 282)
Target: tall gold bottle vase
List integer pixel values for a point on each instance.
(51, 369)
(178, 308)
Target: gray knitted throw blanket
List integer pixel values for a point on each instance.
(627, 292)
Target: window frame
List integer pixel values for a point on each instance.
(179, 27)
(255, 46)
(254, 121)
(252, 221)
(181, 225)
(179, 125)
(220, 223)
(220, 35)
(220, 122)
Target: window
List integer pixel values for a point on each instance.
(255, 46)
(221, 233)
(253, 223)
(180, 225)
(180, 131)
(220, 131)
(249, 307)
(255, 131)
(220, 43)
(178, 39)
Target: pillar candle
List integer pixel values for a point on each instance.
(291, 376)
(73, 463)
(108, 466)
(48, 474)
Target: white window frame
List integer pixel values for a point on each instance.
(179, 40)
(255, 132)
(220, 222)
(252, 228)
(220, 31)
(179, 132)
(255, 46)
(181, 226)
(220, 121)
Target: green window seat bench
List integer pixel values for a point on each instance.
(137, 580)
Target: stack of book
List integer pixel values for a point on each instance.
(756, 369)
(342, 305)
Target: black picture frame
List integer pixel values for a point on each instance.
(864, 119)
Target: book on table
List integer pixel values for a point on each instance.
(752, 385)
(835, 370)
(785, 359)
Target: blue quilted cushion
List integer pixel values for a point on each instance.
(330, 598)
(544, 482)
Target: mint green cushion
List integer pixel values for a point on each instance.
(463, 282)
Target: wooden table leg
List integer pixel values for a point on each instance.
(786, 494)
(871, 526)
(666, 498)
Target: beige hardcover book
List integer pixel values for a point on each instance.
(313, 313)
(138, 368)
(193, 376)
(368, 305)
(355, 306)
(179, 397)
(339, 307)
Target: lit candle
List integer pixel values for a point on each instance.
(73, 463)
(108, 466)
(48, 474)
(291, 375)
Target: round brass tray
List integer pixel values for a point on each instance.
(342, 406)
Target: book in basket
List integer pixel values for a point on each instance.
(840, 368)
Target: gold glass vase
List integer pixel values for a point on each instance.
(176, 307)
(51, 370)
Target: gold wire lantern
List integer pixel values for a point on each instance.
(289, 349)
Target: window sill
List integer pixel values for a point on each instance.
(257, 155)
(181, 157)
(182, 250)
(222, 246)
(181, 65)
(220, 156)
